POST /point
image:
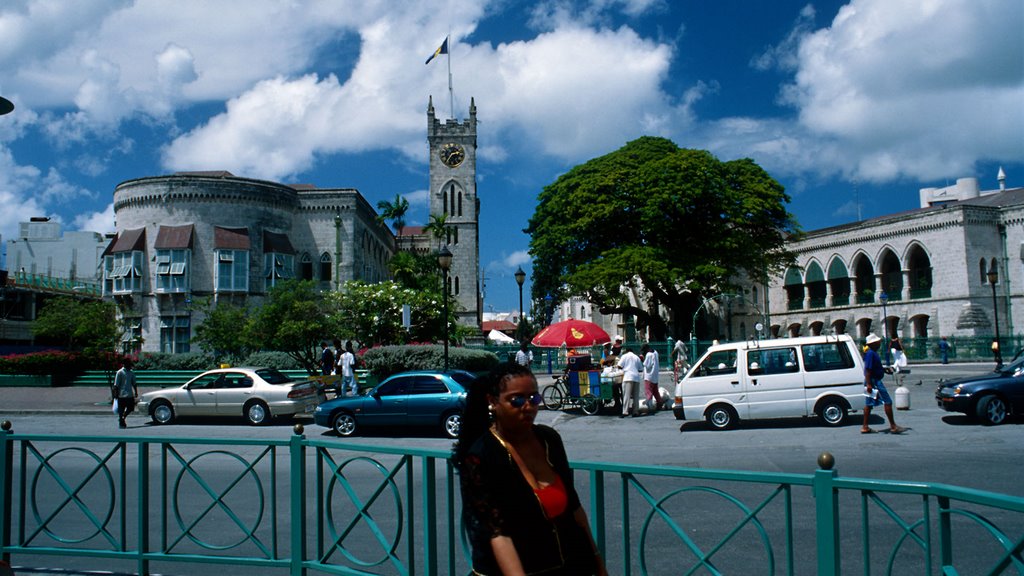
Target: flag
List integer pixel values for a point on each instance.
(442, 49)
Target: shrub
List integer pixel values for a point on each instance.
(386, 360)
(184, 361)
(54, 362)
(279, 360)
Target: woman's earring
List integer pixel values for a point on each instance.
(490, 411)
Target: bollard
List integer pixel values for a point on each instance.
(902, 399)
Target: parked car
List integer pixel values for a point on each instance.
(417, 399)
(990, 397)
(256, 394)
(811, 376)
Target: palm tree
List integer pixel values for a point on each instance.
(394, 211)
(438, 228)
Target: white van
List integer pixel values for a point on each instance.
(815, 375)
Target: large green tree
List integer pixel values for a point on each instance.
(677, 224)
(88, 326)
(293, 319)
(222, 331)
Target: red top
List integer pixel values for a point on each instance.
(553, 497)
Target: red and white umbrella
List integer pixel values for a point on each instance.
(572, 333)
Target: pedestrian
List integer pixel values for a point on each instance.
(617, 347)
(520, 508)
(652, 365)
(944, 350)
(632, 368)
(347, 365)
(899, 358)
(524, 357)
(326, 359)
(126, 391)
(875, 393)
(680, 360)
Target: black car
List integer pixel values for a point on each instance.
(989, 397)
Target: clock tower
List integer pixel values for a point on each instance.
(453, 197)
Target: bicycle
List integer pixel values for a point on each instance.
(556, 397)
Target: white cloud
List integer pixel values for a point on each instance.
(517, 258)
(102, 222)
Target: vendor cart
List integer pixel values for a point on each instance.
(587, 390)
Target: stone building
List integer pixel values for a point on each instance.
(931, 264)
(215, 235)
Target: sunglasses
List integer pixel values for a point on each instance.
(520, 401)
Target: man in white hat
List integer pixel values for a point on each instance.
(875, 393)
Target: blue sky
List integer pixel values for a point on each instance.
(853, 106)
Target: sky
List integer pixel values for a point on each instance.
(852, 106)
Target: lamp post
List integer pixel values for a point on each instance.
(993, 277)
(6, 106)
(520, 278)
(884, 299)
(444, 260)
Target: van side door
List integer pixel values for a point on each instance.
(833, 367)
(774, 383)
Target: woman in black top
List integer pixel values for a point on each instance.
(519, 506)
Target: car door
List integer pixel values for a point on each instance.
(428, 399)
(199, 398)
(233, 391)
(774, 383)
(387, 406)
(715, 379)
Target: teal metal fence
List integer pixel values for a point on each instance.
(301, 505)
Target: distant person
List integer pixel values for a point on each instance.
(652, 365)
(524, 357)
(617, 347)
(875, 393)
(632, 369)
(899, 358)
(126, 391)
(520, 508)
(326, 359)
(680, 360)
(944, 350)
(347, 365)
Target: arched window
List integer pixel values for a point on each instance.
(445, 200)
(794, 285)
(919, 268)
(456, 285)
(306, 266)
(325, 267)
(864, 280)
(982, 271)
(816, 286)
(892, 276)
(993, 267)
(839, 281)
(460, 203)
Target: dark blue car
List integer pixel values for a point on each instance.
(989, 397)
(407, 399)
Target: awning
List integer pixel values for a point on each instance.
(128, 241)
(277, 243)
(174, 237)
(231, 238)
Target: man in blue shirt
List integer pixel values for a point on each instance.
(875, 393)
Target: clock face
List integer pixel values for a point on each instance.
(452, 155)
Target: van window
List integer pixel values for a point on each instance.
(720, 362)
(772, 361)
(827, 356)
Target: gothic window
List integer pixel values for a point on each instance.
(456, 285)
(460, 203)
(306, 267)
(993, 267)
(325, 267)
(982, 269)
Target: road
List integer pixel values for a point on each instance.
(938, 447)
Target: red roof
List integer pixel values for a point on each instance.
(499, 325)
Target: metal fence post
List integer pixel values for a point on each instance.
(144, 511)
(297, 473)
(826, 512)
(6, 481)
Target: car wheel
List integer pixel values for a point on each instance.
(832, 412)
(161, 412)
(589, 404)
(552, 397)
(992, 410)
(721, 417)
(452, 424)
(257, 413)
(344, 424)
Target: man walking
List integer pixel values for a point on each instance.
(326, 359)
(652, 365)
(631, 367)
(347, 364)
(126, 391)
(875, 393)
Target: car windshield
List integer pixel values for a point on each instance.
(273, 376)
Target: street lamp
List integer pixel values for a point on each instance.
(6, 106)
(520, 278)
(444, 260)
(884, 299)
(993, 277)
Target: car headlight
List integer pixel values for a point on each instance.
(958, 390)
(319, 409)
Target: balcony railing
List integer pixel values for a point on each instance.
(303, 505)
(817, 302)
(919, 293)
(795, 305)
(841, 300)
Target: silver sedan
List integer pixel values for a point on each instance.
(256, 394)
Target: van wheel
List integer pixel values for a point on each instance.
(721, 417)
(832, 411)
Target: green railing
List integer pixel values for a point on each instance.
(324, 505)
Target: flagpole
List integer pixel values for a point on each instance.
(451, 94)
